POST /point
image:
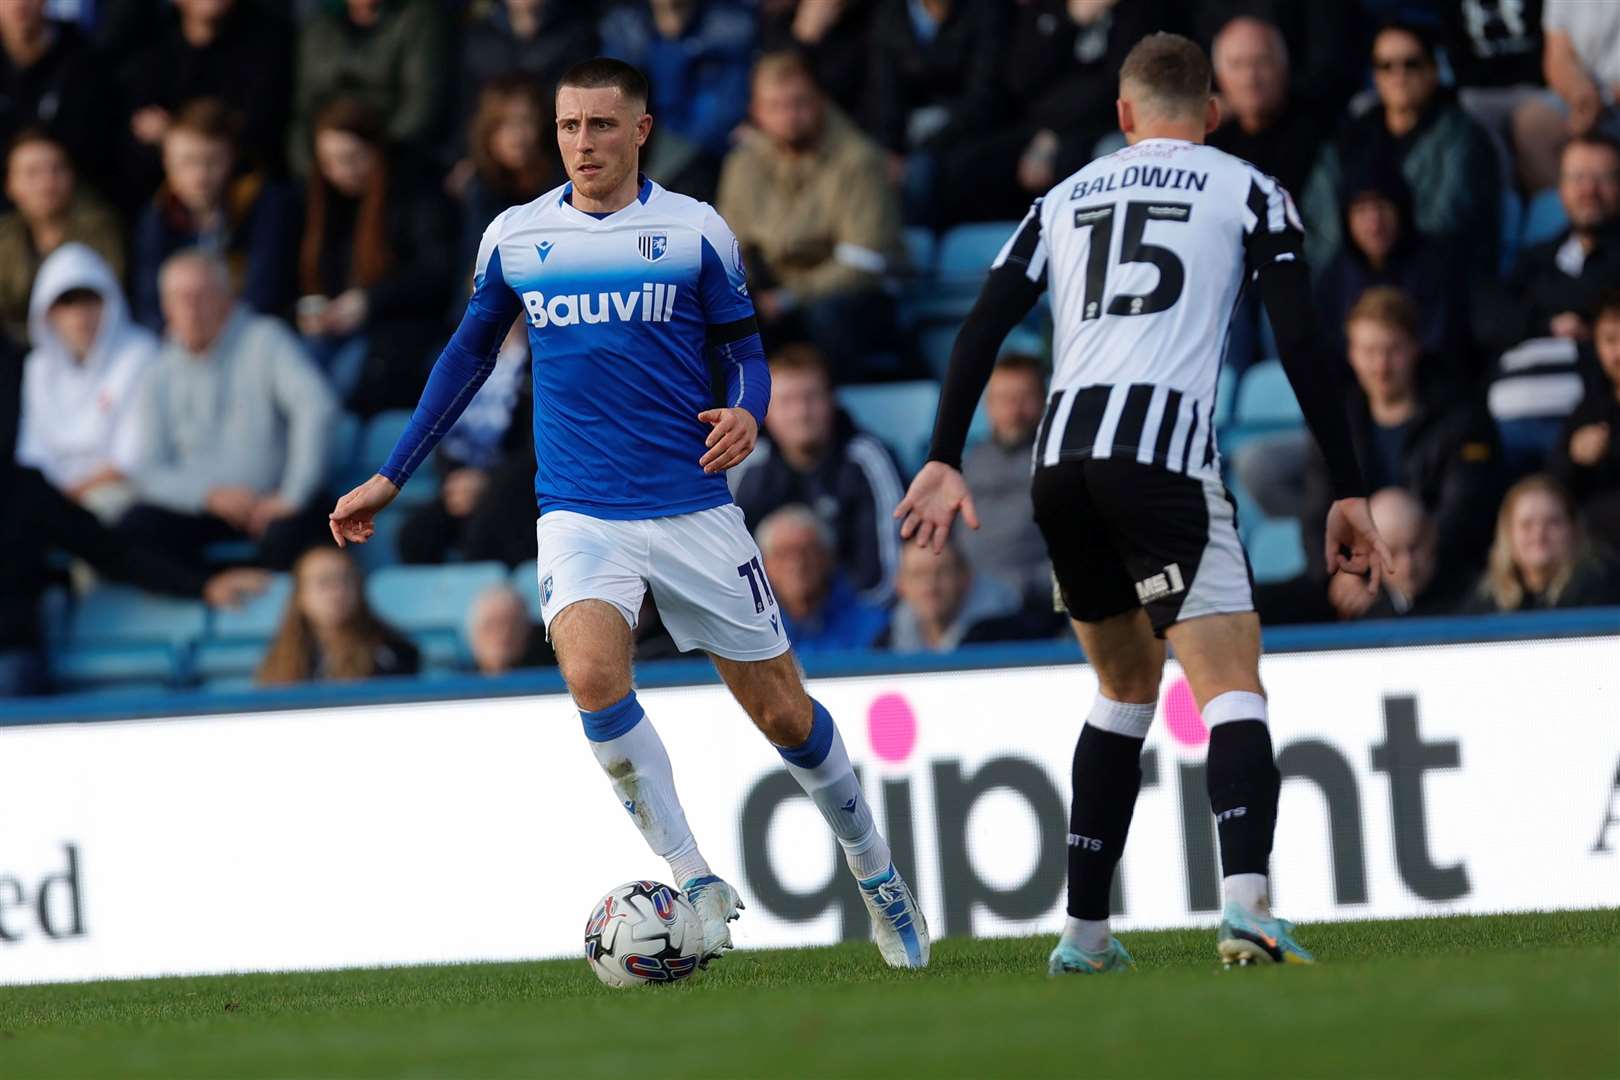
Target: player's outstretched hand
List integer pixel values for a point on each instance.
(731, 438)
(931, 505)
(352, 519)
(1350, 528)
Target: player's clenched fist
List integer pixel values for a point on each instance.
(352, 518)
(731, 438)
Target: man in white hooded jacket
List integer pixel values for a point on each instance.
(80, 423)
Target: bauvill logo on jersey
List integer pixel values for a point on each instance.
(651, 303)
(1403, 756)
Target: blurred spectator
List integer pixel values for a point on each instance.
(1541, 558)
(1582, 61)
(818, 226)
(695, 54)
(1324, 39)
(1383, 247)
(1447, 159)
(513, 156)
(1259, 121)
(935, 73)
(372, 268)
(1495, 53)
(394, 55)
(834, 36)
(1555, 285)
(1418, 586)
(539, 39)
(236, 424)
(819, 607)
(811, 453)
(233, 51)
(204, 202)
(50, 81)
(1058, 82)
(329, 632)
(1586, 458)
(501, 636)
(485, 506)
(1008, 547)
(943, 605)
(82, 382)
(51, 210)
(1412, 432)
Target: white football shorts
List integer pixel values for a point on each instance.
(704, 571)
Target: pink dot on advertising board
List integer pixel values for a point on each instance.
(892, 727)
(1181, 716)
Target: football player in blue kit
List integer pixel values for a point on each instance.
(631, 293)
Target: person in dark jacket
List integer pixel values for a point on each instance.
(833, 36)
(936, 69)
(1324, 41)
(247, 218)
(235, 51)
(1008, 546)
(1541, 558)
(811, 453)
(1454, 170)
(536, 38)
(1554, 286)
(1410, 432)
(1261, 122)
(372, 269)
(1058, 82)
(51, 81)
(1586, 457)
(1383, 247)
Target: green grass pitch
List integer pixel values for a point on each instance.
(1522, 995)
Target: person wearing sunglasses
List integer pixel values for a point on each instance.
(1417, 126)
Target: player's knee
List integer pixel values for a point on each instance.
(1134, 688)
(595, 683)
(784, 720)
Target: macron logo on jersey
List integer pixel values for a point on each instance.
(653, 303)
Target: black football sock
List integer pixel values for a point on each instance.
(1243, 787)
(1107, 775)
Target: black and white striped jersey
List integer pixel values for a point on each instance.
(1145, 253)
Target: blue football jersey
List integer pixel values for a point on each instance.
(619, 311)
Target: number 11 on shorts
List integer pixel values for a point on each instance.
(756, 581)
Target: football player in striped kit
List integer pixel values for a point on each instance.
(1145, 253)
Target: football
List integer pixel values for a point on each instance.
(643, 932)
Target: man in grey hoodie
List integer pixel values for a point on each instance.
(236, 423)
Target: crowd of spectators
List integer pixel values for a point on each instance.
(227, 223)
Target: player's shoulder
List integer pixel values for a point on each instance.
(683, 209)
(523, 215)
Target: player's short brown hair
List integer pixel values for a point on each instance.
(603, 71)
(801, 356)
(1169, 73)
(1387, 306)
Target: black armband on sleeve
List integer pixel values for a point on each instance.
(1007, 296)
(736, 330)
(1285, 287)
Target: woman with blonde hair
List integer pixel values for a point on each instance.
(1541, 558)
(329, 632)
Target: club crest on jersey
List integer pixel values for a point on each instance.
(653, 246)
(545, 597)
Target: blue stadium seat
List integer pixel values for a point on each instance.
(1225, 396)
(258, 617)
(1276, 550)
(1510, 223)
(1264, 397)
(121, 614)
(128, 665)
(217, 661)
(377, 442)
(901, 414)
(431, 602)
(920, 244)
(967, 250)
(1544, 219)
(383, 547)
(935, 343)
